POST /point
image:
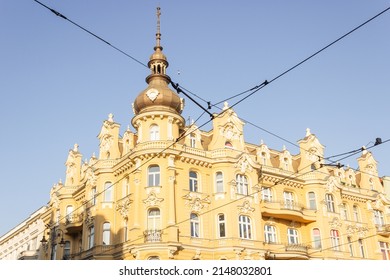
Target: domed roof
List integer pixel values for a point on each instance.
(158, 96)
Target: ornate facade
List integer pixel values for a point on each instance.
(172, 191)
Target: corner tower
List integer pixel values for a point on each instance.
(157, 109)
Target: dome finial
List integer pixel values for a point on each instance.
(158, 34)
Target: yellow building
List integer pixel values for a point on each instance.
(172, 191)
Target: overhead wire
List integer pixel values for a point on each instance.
(254, 90)
(242, 197)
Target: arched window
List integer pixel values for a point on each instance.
(107, 192)
(125, 230)
(154, 175)
(317, 238)
(329, 202)
(69, 214)
(285, 164)
(93, 196)
(219, 182)
(106, 233)
(91, 237)
(193, 181)
(221, 225)
(292, 236)
(242, 184)
(312, 200)
(192, 140)
(228, 144)
(361, 248)
(269, 234)
(350, 246)
(335, 239)
(264, 158)
(245, 228)
(153, 258)
(195, 225)
(154, 219)
(154, 131)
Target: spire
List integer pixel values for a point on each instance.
(158, 95)
(158, 33)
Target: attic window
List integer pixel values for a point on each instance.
(228, 144)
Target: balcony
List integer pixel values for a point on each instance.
(28, 255)
(152, 235)
(96, 252)
(288, 211)
(383, 230)
(74, 223)
(280, 251)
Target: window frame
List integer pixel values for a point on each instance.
(154, 176)
(91, 237)
(193, 181)
(330, 203)
(106, 233)
(108, 192)
(221, 225)
(317, 242)
(266, 194)
(242, 184)
(385, 250)
(335, 239)
(292, 236)
(154, 132)
(154, 221)
(219, 182)
(194, 225)
(245, 227)
(270, 233)
(312, 200)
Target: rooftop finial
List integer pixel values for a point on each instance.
(158, 34)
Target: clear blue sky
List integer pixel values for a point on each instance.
(58, 84)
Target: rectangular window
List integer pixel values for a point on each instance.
(242, 184)
(269, 234)
(378, 218)
(292, 236)
(329, 202)
(312, 201)
(266, 194)
(288, 200)
(66, 250)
